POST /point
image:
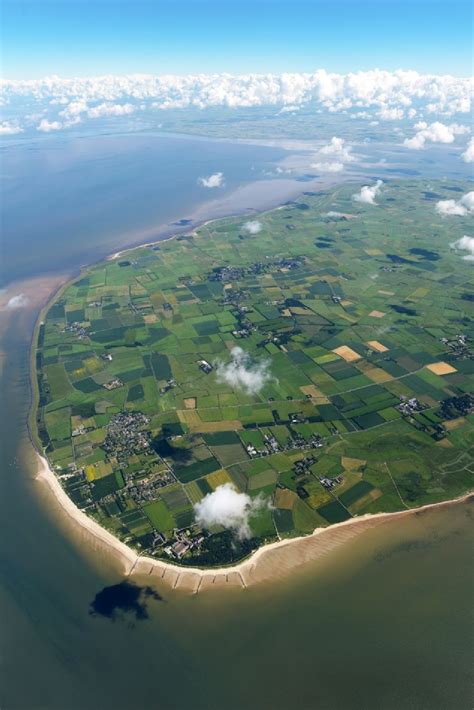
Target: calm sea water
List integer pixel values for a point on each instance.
(384, 623)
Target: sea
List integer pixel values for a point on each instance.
(384, 622)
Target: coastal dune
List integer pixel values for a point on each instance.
(268, 563)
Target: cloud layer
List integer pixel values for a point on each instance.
(436, 132)
(227, 507)
(243, 373)
(392, 95)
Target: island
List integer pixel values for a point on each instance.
(261, 378)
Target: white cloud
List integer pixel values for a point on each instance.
(8, 128)
(389, 93)
(332, 157)
(465, 244)
(46, 126)
(456, 208)
(468, 155)
(215, 180)
(338, 148)
(434, 133)
(227, 507)
(368, 193)
(19, 301)
(391, 114)
(328, 167)
(108, 109)
(243, 373)
(252, 227)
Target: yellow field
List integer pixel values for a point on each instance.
(377, 314)
(218, 478)
(352, 464)
(441, 368)
(346, 353)
(378, 347)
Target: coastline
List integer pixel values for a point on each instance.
(268, 563)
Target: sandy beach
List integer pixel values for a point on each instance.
(268, 563)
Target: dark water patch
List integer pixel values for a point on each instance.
(425, 254)
(123, 598)
(183, 222)
(403, 171)
(395, 259)
(453, 188)
(403, 309)
(432, 196)
(467, 297)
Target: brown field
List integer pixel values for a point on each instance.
(284, 498)
(387, 293)
(377, 314)
(441, 368)
(377, 375)
(454, 423)
(378, 347)
(365, 500)
(191, 418)
(313, 391)
(352, 464)
(347, 353)
(190, 402)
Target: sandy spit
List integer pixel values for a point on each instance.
(268, 563)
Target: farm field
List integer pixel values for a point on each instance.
(318, 357)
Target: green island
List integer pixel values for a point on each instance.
(317, 358)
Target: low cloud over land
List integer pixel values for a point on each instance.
(465, 244)
(368, 193)
(227, 507)
(252, 227)
(244, 373)
(456, 208)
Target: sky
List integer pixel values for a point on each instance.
(92, 37)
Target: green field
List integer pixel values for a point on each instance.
(343, 313)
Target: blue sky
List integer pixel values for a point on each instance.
(86, 37)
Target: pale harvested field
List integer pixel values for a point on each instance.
(346, 353)
(378, 347)
(441, 368)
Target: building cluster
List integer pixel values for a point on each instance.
(113, 384)
(458, 345)
(126, 436)
(409, 405)
(184, 541)
(294, 442)
(205, 366)
(145, 488)
(76, 328)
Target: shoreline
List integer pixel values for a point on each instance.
(268, 563)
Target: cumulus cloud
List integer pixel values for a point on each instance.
(227, 507)
(46, 126)
(332, 157)
(368, 193)
(389, 93)
(8, 128)
(19, 301)
(244, 373)
(391, 114)
(468, 155)
(333, 167)
(252, 227)
(108, 109)
(436, 132)
(456, 208)
(465, 244)
(215, 180)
